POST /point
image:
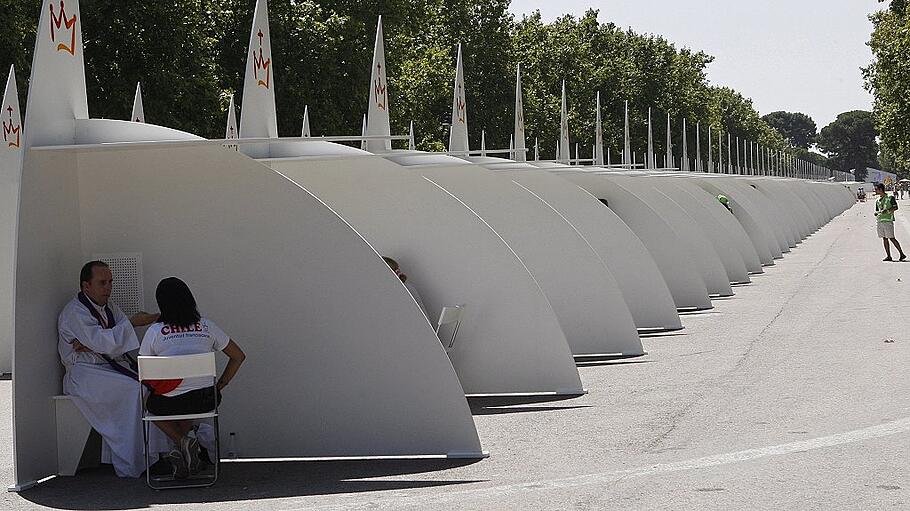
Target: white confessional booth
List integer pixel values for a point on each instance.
(340, 360)
(642, 285)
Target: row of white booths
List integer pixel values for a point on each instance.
(281, 241)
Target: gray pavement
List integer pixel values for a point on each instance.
(786, 396)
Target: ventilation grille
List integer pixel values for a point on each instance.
(127, 270)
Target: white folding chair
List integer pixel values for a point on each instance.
(172, 368)
(450, 316)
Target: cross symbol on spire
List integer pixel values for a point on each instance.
(10, 110)
(260, 36)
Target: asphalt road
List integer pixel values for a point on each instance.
(786, 396)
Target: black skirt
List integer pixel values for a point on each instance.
(194, 401)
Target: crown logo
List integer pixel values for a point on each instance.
(59, 23)
(261, 64)
(460, 105)
(379, 88)
(9, 130)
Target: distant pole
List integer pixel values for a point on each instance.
(729, 153)
(684, 159)
(738, 168)
(627, 142)
(710, 151)
(698, 167)
(652, 162)
(668, 160)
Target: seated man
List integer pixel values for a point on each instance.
(94, 338)
(393, 264)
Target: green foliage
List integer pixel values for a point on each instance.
(797, 128)
(888, 78)
(190, 55)
(850, 142)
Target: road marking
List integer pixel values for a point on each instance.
(397, 499)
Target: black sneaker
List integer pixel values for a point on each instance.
(189, 447)
(180, 468)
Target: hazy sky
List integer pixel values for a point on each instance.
(794, 55)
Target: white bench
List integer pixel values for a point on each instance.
(73, 433)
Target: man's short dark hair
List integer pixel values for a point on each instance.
(88, 270)
(879, 186)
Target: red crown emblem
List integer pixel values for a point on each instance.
(379, 89)
(261, 64)
(9, 130)
(63, 23)
(460, 106)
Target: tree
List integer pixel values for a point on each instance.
(797, 128)
(850, 143)
(888, 78)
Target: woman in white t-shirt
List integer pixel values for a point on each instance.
(182, 331)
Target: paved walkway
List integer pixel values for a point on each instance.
(785, 397)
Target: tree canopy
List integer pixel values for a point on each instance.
(850, 142)
(888, 78)
(797, 128)
(190, 56)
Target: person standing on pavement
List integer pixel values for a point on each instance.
(885, 206)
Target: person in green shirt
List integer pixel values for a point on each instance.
(885, 206)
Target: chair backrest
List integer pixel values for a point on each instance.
(183, 366)
(448, 316)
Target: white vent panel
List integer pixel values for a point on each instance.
(127, 269)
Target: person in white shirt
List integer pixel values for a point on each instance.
(181, 330)
(94, 338)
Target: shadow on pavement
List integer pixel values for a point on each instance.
(485, 410)
(101, 489)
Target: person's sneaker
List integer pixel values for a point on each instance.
(189, 447)
(903, 257)
(181, 470)
(887, 259)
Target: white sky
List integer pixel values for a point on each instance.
(794, 55)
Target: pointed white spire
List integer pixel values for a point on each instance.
(363, 132)
(458, 131)
(56, 94)
(698, 146)
(305, 130)
(483, 143)
(520, 153)
(651, 162)
(598, 136)
(684, 159)
(668, 159)
(138, 110)
(412, 143)
(230, 131)
(258, 115)
(627, 141)
(377, 119)
(563, 147)
(11, 119)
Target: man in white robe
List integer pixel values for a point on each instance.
(93, 335)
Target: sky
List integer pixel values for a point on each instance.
(794, 55)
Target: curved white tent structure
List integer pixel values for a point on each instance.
(314, 306)
(510, 342)
(683, 278)
(710, 227)
(694, 244)
(642, 285)
(585, 296)
(731, 227)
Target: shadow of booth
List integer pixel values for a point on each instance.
(101, 489)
